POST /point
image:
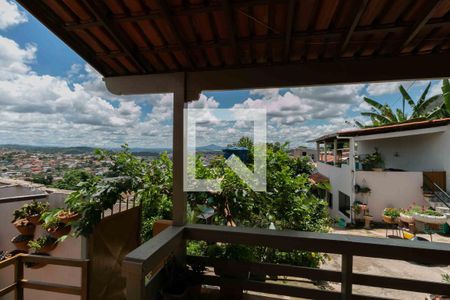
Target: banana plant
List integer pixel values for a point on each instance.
(384, 115)
(442, 111)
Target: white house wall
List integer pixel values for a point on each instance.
(390, 189)
(425, 152)
(341, 179)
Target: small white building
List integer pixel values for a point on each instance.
(304, 151)
(415, 156)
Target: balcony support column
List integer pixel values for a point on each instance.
(334, 151)
(179, 127)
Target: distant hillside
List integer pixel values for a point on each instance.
(86, 150)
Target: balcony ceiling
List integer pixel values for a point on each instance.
(137, 37)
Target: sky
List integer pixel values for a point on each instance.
(49, 96)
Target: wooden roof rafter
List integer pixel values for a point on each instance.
(427, 13)
(118, 35)
(141, 37)
(348, 36)
(165, 10)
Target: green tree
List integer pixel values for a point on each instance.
(72, 179)
(41, 178)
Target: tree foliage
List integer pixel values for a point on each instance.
(72, 179)
(289, 203)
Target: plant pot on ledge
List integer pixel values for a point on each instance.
(430, 218)
(59, 230)
(21, 242)
(24, 226)
(67, 217)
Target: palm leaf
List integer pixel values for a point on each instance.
(406, 96)
(421, 109)
(373, 103)
(401, 116)
(359, 124)
(424, 94)
(437, 113)
(378, 117)
(446, 95)
(388, 113)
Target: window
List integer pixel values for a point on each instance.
(344, 204)
(330, 199)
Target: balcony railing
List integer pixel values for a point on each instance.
(19, 283)
(146, 259)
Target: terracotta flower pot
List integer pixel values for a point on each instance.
(67, 217)
(24, 226)
(389, 220)
(35, 219)
(21, 242)
(59, 231)
(48, 248)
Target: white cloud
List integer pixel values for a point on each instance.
(10, 15)
(13, 59)
(384, 88)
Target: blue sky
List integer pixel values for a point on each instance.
(50, 96)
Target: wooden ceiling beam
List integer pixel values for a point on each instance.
(426, 15)
(231, 28)
(289, 27)
(165, 10)
(351, 30)
(118, 35)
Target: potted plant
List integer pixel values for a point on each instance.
(67, 216)
(407, 215)
(54, 226)
(222, 254)
(430, 216)
(390, 215)
(24, 226)
(44, 244)
(34, 210)
(374, 161)
(21, 242)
